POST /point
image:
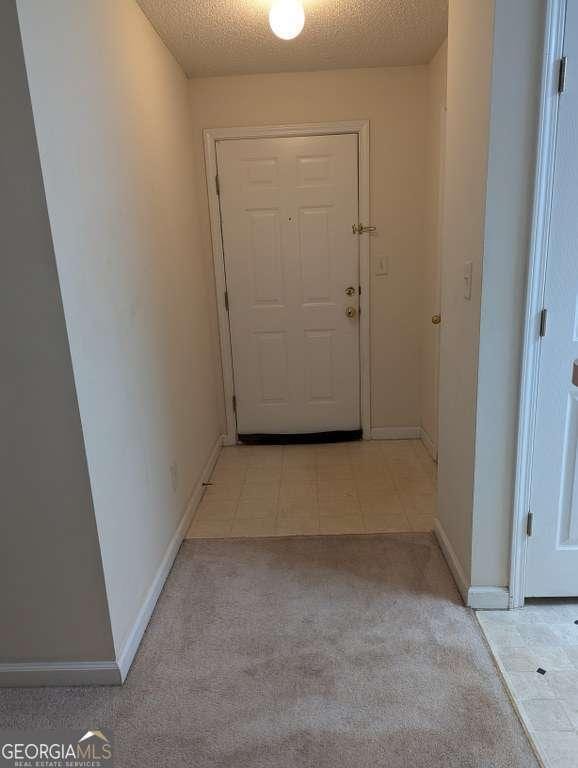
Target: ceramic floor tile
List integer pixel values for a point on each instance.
(215, 509)
(571, 709)
(264, 474)
(311, 489)
(559, 749)
(256, 509)
(297, 509)
(572, 653)
(419, 503)
(503, 637)
(297, 527)
(339, 507)
(209, 529)
(529, 685)
(564, 683)
(263, 490)
(289, 490)
(336, 489)
(266, 456)
(341, 524)
(381, 504)
(540, 636)
(546, 715)
(386, 523)
(421, 523)
(254, 528)
(299, 475)
(226, 491)
(416, 485)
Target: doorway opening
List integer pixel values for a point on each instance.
(292, 275)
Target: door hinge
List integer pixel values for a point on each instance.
(543, 321)
(562, 75)
(218, 185)
(227, 300)
(529, 523)
(234, 404)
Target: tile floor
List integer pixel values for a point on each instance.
(542, 635)
(359, 487)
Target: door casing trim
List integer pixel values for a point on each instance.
(210, 138)
(540, 230)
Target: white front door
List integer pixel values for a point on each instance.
(552, 564)
(292, 272)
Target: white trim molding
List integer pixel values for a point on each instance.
(478, 598)
(134, 637)
(488, 598)
(395, 433)
(429, 444)
(462, 583)
(57, 673)
(540, 227)
(211, 137)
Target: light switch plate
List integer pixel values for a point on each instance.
(381, 265)
(468, 271)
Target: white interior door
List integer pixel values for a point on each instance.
(552, 564)
(292, 272)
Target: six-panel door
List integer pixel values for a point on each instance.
(552, 563)
(287, 209)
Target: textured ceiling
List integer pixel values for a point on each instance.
(224, 37)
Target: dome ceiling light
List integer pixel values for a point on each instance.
(287, 18)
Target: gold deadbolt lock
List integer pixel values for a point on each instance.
(350, 290)
(436, 319)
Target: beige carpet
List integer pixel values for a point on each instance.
(320, 652)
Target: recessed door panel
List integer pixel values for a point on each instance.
(320, 370)
(315, 254)
(287, 206)
(314, 171)
(552, 558)
(265, 256)
(568, 513)
(272, 367)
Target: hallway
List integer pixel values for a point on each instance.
(308, 652)
(358, 487)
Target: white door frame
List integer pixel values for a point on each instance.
(211, 136)
(540, 230)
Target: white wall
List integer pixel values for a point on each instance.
(395, 101)
(431, 274)
(52, 596)
(470, 44)
(516, 69)
(116, 146)
(494, 58)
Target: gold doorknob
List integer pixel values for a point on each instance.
(350, 311)
(436, 319)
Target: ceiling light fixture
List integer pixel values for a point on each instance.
(287, 18)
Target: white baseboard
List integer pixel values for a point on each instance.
(452, 560)
(45, 673)
(489, 598)
(133, 640)
(429, 444)
(395, 433)
(478, 598)
(112, 672)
